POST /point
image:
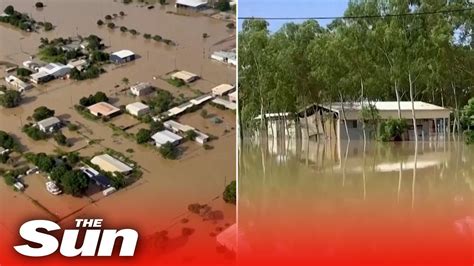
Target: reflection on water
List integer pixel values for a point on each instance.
(377, 198)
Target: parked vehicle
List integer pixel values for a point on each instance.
(53, 188)
(33, 170)
(19, 186)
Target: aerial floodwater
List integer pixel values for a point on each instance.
(156, 204)
(373, 204)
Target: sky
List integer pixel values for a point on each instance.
(291, 8)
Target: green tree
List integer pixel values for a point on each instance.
(23, 72)
(143, 136)
(60, 139)
(42, 112)
(156, 126)
(190, 135)
(10, 99)
(230, 195)
(39, 5)
(100, 22)
(74, 183)
(169, 151)
(9, 10)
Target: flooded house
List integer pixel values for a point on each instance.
(201, 99)
(179, 128)
(141, 89)
(137, 109)
(103, 109)
(329, 121)
(173, 112)
(222, 89)
(40, 77)
(191, 4)
(185, 76)
(56, 70)
(108, 163)
(166, 136)
(122, 57)
(228, 57)
(225, 103)
(50, 124)
(17, 83)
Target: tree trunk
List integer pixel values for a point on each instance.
(398, 101)
(344, 116)
(361, 106)
(457, 121)
(415, 129)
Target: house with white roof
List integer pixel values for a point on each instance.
(17, 83)
(191, 4)
(141, 89)
(49, 125)
(122, 56)
(57, 70)
(330, 120)
(222, 89)
(110, 164)
(225, 103)
(166, 136)
(185, 76)
(137, 109)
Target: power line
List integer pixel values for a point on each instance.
(365, 16)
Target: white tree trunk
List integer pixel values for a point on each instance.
(361, 106)
(415, 129)
(344, 117)
(398, 101)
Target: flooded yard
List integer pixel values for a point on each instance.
(382, 203)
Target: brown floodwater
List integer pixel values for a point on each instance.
(160, 198)
(382, 204)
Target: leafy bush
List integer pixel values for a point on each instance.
(143, 136)
(7, 141)
(42, 112)
(23, 72)
(60, 139)
(229, 194)
(169, 151)
(10, 99)
(156, 126)
(93, 99)
(190, 135)
(34, 132)
(392, 129)
(39, 5)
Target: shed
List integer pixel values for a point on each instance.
(17, 83)
(225, 103)
(99, 179)
(49, 124)
(201, 99)
(137, 109)
(122, 56)
(102, 109)
(222, 89)
(176, 127)
(185, 76)
(194, 4)
(166, 136)
(79, 64)
(225, 57)
(141, 89)
(56, 70)
(179, 109)
(110, 164)
(201, 138)
(40, 77)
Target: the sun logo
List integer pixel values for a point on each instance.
(90, 246)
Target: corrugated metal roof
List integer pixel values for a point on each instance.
(123, 53)
(165, 136)
(110, 164)
(48, 122)
(191, 3)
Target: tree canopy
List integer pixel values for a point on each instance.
(375, 58)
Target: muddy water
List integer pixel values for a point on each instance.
(159, 200)
(392, 203)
